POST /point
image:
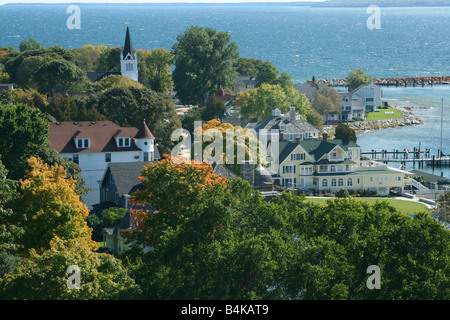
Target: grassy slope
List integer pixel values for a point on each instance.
(403, 206)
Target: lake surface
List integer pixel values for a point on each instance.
(302, 41)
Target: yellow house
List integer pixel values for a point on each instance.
(332, 165)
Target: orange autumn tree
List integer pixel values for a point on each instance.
(50, 207)
(170, 188)
(243, 141)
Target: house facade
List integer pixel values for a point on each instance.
(332, 165)
(94, 145)
(365, 98)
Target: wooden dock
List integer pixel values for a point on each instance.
(421, 157)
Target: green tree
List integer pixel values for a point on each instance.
(58, 75)
(203, 61)
(356, 78)
(260, 102)
(345, 133)
(109, 60)
(30, 44)
(43, 276)
(314, 118)
(87, 58)
(23, 131)
(128, 106)
(155, 69)
(115, 80)
(326, 101)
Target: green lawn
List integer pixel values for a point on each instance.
(403, 206)
(382, 115)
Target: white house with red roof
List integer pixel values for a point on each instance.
(93, 145)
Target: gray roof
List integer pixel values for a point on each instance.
(308, 89)
(316, 148)
(273, 123)
(223, 171)
(126, 175)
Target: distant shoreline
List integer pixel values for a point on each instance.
(325, 4)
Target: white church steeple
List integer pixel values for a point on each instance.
(128, 59)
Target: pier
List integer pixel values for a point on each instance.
(421, 157)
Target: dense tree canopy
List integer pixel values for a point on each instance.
(344, 132)
(260, 102)
(23, 131)
(203, 60)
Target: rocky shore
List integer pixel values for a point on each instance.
(408, 119)
(405, 81)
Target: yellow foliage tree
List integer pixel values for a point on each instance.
(50, 207)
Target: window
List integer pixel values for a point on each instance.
(76, 159)
(333, 168)
(349, 182)
(289, 182)
(369, 99)
(297, 156)
(358, 181)
(340, 182)
(123, 142)
(371, 179)
(324, 183)
(347, 167)
(333, 182)
(145, 156)
(323, 168)
(107, 157)
(82, 143)
(288, 169)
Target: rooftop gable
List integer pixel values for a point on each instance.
(100, 133)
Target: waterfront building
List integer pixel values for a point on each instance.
(331, 165)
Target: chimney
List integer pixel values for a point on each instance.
(324, 137)
(297, 140)
(247, 168)
(281, 136)
(292, 115)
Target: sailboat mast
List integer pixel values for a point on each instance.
(442, 119)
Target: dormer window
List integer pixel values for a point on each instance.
(123, 142)
(82, 143)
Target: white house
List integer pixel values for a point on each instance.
(93, 145)
(366, 97)
(370, 95)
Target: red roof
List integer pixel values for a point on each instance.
(222, 96)
(144, 132)
(101, 134)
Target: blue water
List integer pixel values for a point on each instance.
(426, 104)
(302, 41)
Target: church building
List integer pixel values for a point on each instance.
(128, 63)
